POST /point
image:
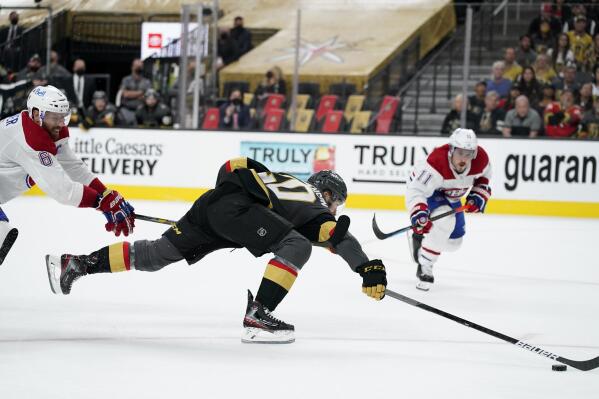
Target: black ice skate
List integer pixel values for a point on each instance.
(425, 277)
(63, 271)
(10, 236)
(260, 326)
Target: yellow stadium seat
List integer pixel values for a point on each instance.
(354, 104)
(303, 120)
(247, 98)
(360, 121)
(302, 102)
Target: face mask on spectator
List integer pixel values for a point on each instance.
(138, 70)
(236, 101)
(79, 71)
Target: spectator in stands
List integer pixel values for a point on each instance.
(234, 114)
(522, 120)
(525, 55)
(132, 89)
(33, 66)
(498, 83)
(57, 70)
(561, 11)
(543, 70)
(589, 127)
(548, 98)
(528, 85)
(585, 97)
(543, 39)
(10, 41)
(241, 36)
(100, 113)
(581, 43)
(79, 87)
(452, 119)
(596, 81)
(39, 78)
(561, 54)
(579, 12)
(491, 119)
(476, 102)
(511, 68)
(273, 83)
(227, 48)
(562, 118)
(153, 113)
(546, 15)
(510, 102)
(568, 82)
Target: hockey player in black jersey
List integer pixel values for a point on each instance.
(253, 208)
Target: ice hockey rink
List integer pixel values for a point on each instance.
(176, 333)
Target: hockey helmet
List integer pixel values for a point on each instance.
(48, 99)
(331, 181)
(464, 139)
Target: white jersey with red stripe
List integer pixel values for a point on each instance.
(437, 175)
(29, 156)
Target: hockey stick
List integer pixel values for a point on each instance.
(154, 219)
(382, 236)
(584, 365)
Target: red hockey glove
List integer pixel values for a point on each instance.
(420, 217)
(118, 212)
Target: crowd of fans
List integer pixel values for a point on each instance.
(547, 85)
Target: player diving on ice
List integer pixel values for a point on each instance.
(437, 186)
(253, 208)
(34, 149)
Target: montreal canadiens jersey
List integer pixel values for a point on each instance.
(29, 156)
(436, 175)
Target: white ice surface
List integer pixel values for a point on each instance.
(176, 333)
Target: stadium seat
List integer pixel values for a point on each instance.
(303, 120)
(313, 89)
(354, 104)
(342, 89)
(229, 86)
(272, 119)
(302, 103)
(327, 103)
(387, 114)
(248, 98)
(332, 122)
(211, 118)
(273, 101)
(360, 122)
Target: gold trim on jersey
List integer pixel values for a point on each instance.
(116, 258)
(325, 231)
(262, 186)
(237, 163)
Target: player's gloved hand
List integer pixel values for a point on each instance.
(374, 278)
(119, 213)
(420, 217)
(477, 198)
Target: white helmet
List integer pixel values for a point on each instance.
(465, 139)
(48, 99)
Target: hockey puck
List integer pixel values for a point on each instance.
(559, 367)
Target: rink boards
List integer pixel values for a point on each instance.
(530, 177)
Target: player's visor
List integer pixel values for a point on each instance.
(462, 153)
(55, 117)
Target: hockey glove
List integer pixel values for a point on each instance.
(420, 217)
(118, 212)
(477, 198)
(374, 278)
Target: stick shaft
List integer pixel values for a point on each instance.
(154, 219)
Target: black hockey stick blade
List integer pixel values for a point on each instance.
(383, 236)
(154, 219)
(584, 365)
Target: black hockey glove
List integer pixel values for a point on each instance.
(374, 278)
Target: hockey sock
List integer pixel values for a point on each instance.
(278, 278)
(111, 259)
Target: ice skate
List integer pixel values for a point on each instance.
(260, 326)
(425, 277)
(8, 236)
(63, 271)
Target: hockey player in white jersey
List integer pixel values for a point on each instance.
(34, 149)
(437, 186)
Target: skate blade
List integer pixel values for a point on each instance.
(53, 267)
(252, 335)
(10, 239)
(423, 285)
